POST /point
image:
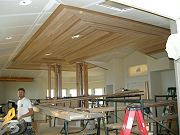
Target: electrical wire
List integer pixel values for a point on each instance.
(75, 131)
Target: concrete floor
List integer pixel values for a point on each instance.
(44, 129)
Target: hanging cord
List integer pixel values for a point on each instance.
(75, 131)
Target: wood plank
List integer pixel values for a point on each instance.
(16, 79)
(161, 103)
(104, 109)
(162, 118)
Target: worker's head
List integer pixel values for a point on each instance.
(21, 93)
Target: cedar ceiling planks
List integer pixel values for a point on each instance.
(99, 33)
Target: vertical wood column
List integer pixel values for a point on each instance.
(78, 78)
(82, 80)
(85, 78)
(49, 80)
(85, 82)
(58, 80)
(49, 88)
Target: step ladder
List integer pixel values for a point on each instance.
(131, 112)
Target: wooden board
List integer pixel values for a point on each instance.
(104, 109)
(67, 113)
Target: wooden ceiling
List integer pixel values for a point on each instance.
(99, 33)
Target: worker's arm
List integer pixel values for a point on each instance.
(30, 113)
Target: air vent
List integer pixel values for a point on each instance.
(115, 6)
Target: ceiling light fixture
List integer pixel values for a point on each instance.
(76, 36)
(113, 7)
(47, 54)
(25, 2)
(8, 38)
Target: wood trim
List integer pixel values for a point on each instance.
(16, 79)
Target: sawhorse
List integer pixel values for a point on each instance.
(131, 112)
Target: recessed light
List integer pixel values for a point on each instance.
(25, 2)
(47, 54)
(76, 36)
(80, 12)
(8, 38)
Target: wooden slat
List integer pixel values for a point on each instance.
(104, 109)
(162, 118)
(161, 103)
(16, 79)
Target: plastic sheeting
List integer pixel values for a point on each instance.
(173, 46)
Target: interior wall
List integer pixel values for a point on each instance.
(162, 71)
(167, 80)
(2, 95)
(156, 84)
(134, 59)
(38, 88)
(35, 89)
(115, 75)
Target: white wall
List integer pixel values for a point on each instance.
(115, 74)
(2, 93)
(133, 60)
(35, 89)
(155, 83)
(167, 80)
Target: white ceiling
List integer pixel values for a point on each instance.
(21, 22)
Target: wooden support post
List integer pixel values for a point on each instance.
(78, 78)
(85, 78)
(56, 80)
(82, 80)
(49, 80)
(59, 74)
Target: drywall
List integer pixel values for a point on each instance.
(2, 99)
(134, 59)
(35, 89)
(115, 74)
(156, 84)
(167, 80)
(160, 64)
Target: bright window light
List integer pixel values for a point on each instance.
(89, 92)
(64, 93)
(99, 91)
(52, 93)
(73, 92)
(47, 93)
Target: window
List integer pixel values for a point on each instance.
(63, 92)
(89, 92)
(47, 93)
(99, 91)
(73, 92)
(52, 93)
